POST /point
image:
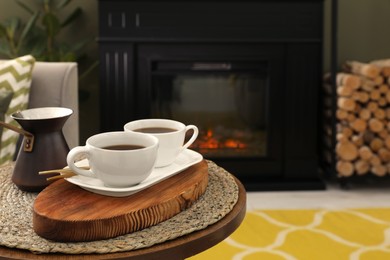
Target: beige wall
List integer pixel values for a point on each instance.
(363, 30)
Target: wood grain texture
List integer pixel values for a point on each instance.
(65, 212)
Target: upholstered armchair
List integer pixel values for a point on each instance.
(55, 84)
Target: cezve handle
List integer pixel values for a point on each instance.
(28, 143)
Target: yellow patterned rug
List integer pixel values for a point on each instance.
(307, 234)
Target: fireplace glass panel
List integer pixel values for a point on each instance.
(227, 101)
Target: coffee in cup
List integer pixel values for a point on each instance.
(118, 159)
(170, 133)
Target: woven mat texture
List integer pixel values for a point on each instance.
(16, 229)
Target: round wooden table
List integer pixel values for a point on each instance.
(179, 248)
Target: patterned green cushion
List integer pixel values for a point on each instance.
(15, 81)
(5, 99)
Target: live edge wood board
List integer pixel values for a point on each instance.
(67, 213)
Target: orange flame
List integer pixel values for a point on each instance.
(208, 141)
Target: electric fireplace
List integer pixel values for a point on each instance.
(227, 100)
(246, 76)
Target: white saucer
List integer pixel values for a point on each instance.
(186, 159)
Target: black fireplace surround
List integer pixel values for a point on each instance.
(142, 41)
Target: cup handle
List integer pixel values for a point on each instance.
(76, 151)
(193, 137)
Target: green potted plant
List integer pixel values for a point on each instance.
(40, 34)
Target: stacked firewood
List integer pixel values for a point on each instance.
(363, 119)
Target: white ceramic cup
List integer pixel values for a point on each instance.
(171, 143)
(116, 168)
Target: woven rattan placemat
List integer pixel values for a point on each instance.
(16, 229)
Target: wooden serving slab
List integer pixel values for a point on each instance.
(65, 212)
